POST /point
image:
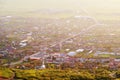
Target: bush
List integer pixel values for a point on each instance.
(25, 74)
(118, 74)
(102, 74)
(81, 76)
(6, 73)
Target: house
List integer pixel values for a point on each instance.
(37, 55)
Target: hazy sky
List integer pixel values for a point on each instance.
(23, 5)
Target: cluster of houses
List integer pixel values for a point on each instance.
(43, 33)
(58, 58)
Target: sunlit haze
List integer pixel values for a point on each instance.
(18, 5)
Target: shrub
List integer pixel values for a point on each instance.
(118, 74)
(6, 73)
(102, 74)
(81, 76)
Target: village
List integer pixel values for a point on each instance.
(57, 41)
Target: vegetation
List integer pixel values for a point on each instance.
(58, 74)
(118, 74)
(6, 73)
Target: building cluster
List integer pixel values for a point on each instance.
(51, 39)
(62, 58)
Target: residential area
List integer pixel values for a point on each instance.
(57, 41)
